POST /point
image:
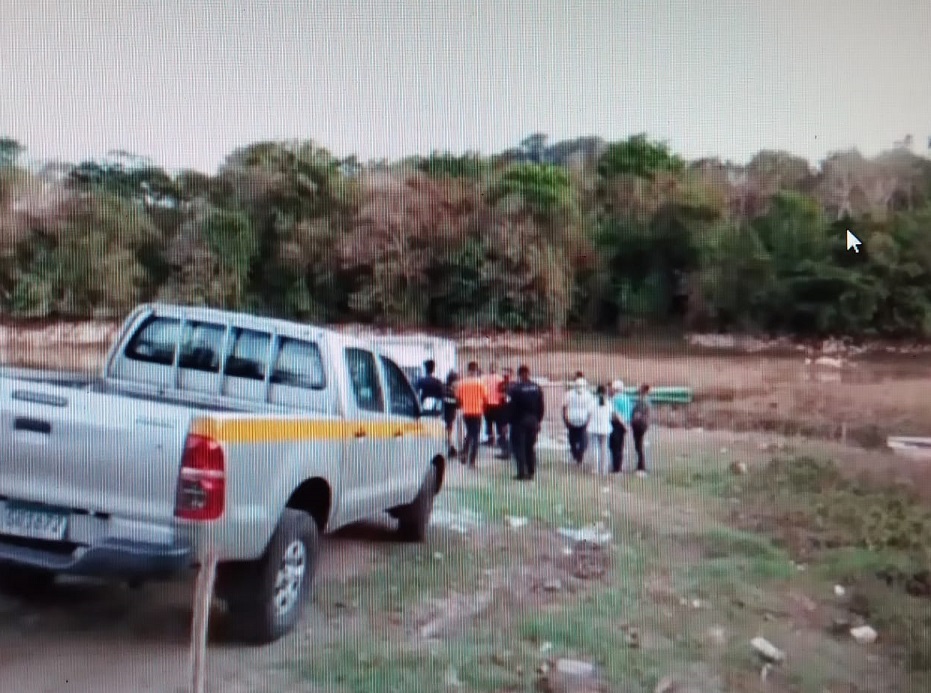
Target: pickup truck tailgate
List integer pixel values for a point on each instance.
(89, 451)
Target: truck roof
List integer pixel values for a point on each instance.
(257, 322)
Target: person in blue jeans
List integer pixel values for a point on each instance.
(640, 418)
(623, 407)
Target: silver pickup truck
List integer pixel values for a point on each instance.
(211, 432)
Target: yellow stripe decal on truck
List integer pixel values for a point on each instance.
(262, 430)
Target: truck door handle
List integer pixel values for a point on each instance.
(360, 433)
(33, 425)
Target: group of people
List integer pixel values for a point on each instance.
(512, 410)
(604, 419)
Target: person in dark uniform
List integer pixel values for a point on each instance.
(429, 385)
(527, 409)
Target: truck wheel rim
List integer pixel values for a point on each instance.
(290, 577)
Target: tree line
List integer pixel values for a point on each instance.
(583, 234)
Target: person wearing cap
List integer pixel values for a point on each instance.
(577, 409)
(620, 421)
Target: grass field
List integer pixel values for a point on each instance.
(696, 568)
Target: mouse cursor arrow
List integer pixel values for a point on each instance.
(853, 242)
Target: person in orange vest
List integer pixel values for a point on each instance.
(473, 398)
(493, 424)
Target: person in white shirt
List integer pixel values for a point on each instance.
(600, 429)
(577, 410)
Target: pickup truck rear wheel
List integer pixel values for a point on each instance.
(21, 581)
(414, 519)
(266, 598)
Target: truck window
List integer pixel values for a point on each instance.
(155, 341)
(247, 354)
(299, 364)
(200, 347)
(401, 396)
(363, 375)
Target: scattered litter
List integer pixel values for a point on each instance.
(596, 534)
(723, 451)
(829, 362)
(454, 611)
(456, 521)
(452, 678)
(864, 635)
(575, 668)
(632, 637)
(606, 489)
(738, 468)
(717, 635)
(516, 522)
(667, 684)
(839, 591)
(767, 650)
(552, 585)
(437, 556)
(546, 647)
(605, 514)
(697, 604)
(840, 624)
(764, 672)
(567, 550)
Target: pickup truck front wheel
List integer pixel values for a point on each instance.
(266, 598)
(414, 519)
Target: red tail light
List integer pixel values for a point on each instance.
(202, 481)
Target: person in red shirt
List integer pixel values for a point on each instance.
(493, 407)
(473, 398)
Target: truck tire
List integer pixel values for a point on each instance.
(21, 581)
(266, 598)
(414, 519)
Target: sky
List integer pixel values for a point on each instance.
(184, 82)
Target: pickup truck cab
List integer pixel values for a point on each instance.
(217, 433)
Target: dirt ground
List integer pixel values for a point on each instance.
(488, 605)
(861, 400)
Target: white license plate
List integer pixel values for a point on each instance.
(33, 524)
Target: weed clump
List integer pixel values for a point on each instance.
(875, 538)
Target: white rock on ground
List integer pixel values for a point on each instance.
(767, 650)
(516, 522)
(575, 668)
(864, 635)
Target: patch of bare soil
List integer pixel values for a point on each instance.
(83, 636)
